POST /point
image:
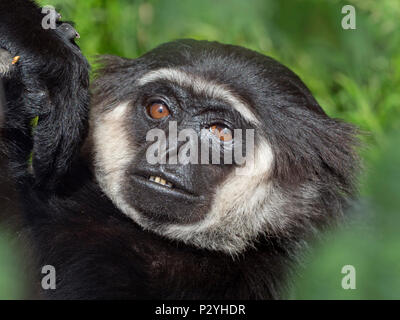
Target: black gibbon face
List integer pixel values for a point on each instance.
(148, 112)
(173, 191)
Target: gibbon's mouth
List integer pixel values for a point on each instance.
(161, 181)
(167, 185)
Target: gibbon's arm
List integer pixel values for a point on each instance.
(49, 82)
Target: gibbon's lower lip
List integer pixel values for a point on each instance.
(162, 185)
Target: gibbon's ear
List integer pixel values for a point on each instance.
(105, 64)
(113, 76)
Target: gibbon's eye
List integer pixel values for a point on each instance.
(222, 132)
(158, 110)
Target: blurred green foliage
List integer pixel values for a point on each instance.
(12, 277)
(370, 242)
(354, 74)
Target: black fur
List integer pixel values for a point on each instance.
(51, 82)
(98, 252)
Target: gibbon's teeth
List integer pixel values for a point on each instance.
(161, 181)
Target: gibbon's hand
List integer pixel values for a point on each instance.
(47, 80)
